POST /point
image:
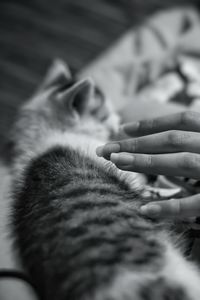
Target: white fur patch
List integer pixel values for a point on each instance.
(177, 271)
(87, 146)
(181, 272)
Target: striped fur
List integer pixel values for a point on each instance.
(76, 218)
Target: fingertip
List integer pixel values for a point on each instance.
(152, 210)
(114, 157)
(130, 128)
(106, 150)
(99, 151)
(166, 208)
(144, 210)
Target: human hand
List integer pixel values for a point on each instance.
(170, 146)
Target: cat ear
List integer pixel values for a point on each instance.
(77, 98)
(57, 75)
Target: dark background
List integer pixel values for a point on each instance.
(33, 33)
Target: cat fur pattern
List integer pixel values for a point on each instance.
(75, 216)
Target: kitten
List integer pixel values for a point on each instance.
(75, 218)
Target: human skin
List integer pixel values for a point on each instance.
(168, 145)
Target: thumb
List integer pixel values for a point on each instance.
(183, 207)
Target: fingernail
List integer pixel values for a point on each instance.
(107, 149)
(150, 209)
(130, 127)
(99, 151)
(122, 159)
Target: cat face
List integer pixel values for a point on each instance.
(72, 105)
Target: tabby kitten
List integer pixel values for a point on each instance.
(75, 217)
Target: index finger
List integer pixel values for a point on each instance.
(183, 207)
(187, 121)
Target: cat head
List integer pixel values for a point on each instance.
(73, 105)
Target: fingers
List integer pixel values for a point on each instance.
(185, 207)
(109, 148)
(175, 164)
(188, 121)
(164, 142)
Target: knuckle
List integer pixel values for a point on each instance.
(127, 145)
(186, 161)
(148, 124)
(178, 139)
(187, 117)
(190, 161)
(148, 161)
(135, 145)
(175, 138)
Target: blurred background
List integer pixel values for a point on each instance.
(33, 33)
